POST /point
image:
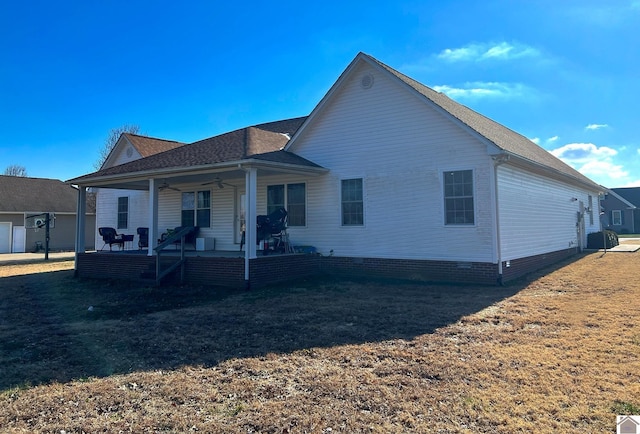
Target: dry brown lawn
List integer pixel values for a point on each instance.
(557, 352)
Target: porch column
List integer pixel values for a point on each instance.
(251, 187)
(81, 218)
(153, 216)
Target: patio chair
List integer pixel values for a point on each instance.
(111, 237)
(143, 238)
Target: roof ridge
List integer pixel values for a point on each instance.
(503, 137)
(153, 138)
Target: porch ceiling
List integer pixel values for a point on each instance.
(234, 175)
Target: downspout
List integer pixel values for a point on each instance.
(497, 161)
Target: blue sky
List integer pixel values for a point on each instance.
(563, 73)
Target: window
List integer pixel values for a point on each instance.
(293, 198)
(123, 212)
(590, 210)
(352, 202)
(616, 217)
(458, 197)
(196, 209)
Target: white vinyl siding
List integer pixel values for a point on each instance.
(537, 214)
(399, 146)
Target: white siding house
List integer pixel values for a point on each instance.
(394, 176)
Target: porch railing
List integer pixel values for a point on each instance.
(171, 239)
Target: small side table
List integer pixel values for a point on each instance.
(127, 239)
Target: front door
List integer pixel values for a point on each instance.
(240, 213)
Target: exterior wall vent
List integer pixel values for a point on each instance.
(367, 81)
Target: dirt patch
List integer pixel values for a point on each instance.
(556, 352)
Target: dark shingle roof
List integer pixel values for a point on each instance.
(147, 146)
(631, 194)
(504, 138)
(20, 194)
(263, 141)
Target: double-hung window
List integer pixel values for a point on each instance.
(291, 197)
(352, 199)
(616, 217)
(123, 212)
(458, 197)
(196, 209)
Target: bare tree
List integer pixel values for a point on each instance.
(15, 170)
(110, 142)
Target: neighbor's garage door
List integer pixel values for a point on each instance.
(5, 237)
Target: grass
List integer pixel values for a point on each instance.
(557, 352)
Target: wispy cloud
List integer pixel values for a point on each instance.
(593, 161)
(479, 89)
(547, 142)
(595, 126)
(488, 51)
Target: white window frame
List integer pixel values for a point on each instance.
(358, 225)
(616, 217)
(473, 198)
(125, 213)
(285, 186)
(195, 207)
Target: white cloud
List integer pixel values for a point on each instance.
(487, 51)
(595, 126)
(552, 139)
(536, 140)
(583, 152)
(478, 89)
(593, 161)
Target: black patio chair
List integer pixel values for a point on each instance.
(111, 237)
(143, 238)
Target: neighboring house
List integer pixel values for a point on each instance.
(21, 197)
(125, 210)
(621, 207)
(385, 176)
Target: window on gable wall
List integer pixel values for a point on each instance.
(291, 197)
(352, 202)
(123, 212)
(458, 197)
(196, 209)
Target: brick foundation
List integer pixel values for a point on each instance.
(220, 271)
(519, 267)
(419, 270)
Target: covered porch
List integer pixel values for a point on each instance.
(234, 200)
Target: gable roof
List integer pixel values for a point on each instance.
(21, 194)
(260, 142)
(147, 146)
(504, 139)
(630, 194)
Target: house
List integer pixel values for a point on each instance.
(385, 176)
(21, 197)
(621, 210)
